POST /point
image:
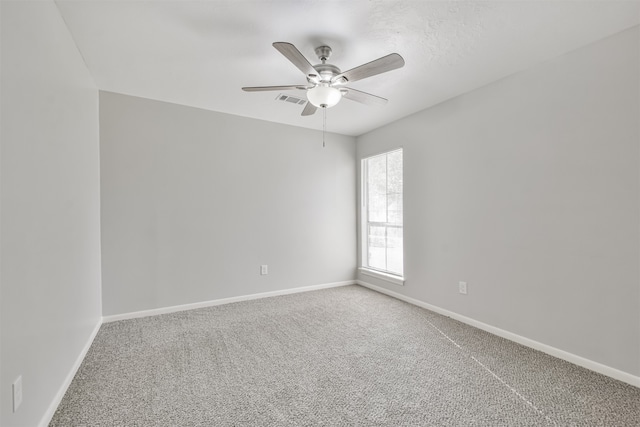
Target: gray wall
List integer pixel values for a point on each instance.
(50, 223)
(528, 189)
(194, 201)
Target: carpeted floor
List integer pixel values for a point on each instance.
(345, 356)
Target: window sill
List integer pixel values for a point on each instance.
(396, 280)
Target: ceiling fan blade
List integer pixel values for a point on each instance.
(362, 97)
(380, 65)
(298, 59)
(265, 88)
(309, 109)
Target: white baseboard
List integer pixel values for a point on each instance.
(53, 406)
(560, 354)
(192, 306)
(46, 419)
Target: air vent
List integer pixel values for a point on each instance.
(291, 99)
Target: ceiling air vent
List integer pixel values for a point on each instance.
(291, 99)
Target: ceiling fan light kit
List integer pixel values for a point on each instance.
(324, 96)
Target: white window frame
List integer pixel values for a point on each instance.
(364, 227)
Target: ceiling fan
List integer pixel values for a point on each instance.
(326, 83)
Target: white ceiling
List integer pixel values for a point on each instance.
(200, 53)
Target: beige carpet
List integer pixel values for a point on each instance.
(338, 357)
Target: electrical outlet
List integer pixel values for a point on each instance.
(17, 393)
(264, 270)
(462, 287)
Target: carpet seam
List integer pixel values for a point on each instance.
(503, 382)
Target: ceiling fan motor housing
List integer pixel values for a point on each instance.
(326, 72)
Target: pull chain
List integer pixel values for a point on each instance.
(324, 124)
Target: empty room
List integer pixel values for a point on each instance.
(311, 212)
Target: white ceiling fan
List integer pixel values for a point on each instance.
(326, 83)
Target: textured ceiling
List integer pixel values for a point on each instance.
(200, 53)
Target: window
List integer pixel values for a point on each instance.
(382, 230)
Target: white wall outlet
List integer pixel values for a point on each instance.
(264, 270)
(462, 287)
(17, 393)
